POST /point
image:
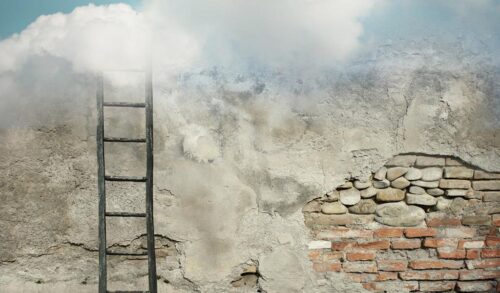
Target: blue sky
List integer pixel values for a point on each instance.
(15, 15)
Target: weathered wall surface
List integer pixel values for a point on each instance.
(237, 157)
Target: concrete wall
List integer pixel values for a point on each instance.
(236, 159)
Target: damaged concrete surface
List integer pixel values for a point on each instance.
(236, 159)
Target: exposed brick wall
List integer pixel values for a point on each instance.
(451, 247)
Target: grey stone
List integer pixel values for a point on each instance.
(432, 174)
(313, 206)
(435, 191)
(455, 184)
(471, 193)
(453, 162)
(346, 185)
(413, 174)
(399, 214)
(369, 192)
(456, 192)
(395, 172)
(491, 196)
(365, 206)
(380, 174)
(332, 195)
(331, 208)
(427, 161)
(362, 184)
(458, 173)
(416, 190)
(390, 194)
(486, 185)
(442, 203)
(426, 184)
(400, 183)
(381, 184)
(420, 199)
(458, 205)
(478, 174)
(350, 197)
(402, 161)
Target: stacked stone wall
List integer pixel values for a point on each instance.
(420, 223)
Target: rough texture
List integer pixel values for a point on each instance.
(236, 159)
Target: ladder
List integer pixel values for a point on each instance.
(148, 180)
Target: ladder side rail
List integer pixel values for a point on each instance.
(149, 183)
(101, 185)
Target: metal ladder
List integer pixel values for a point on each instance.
(148, 180)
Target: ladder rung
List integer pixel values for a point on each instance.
(125, 178)
(126, 253)
(123, 139)
(127, 291)
(124, 104)
(125, 214)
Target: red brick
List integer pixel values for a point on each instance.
(360, 267)
(386, 276)
(445, 252)
(473, 275)
(332, 255)
(425, 264)
(378, 244)
(392, 265)
(457, 232)
(327, 267)
(490, 253)
(344, 233)
(392, 286)
(492, 241)
(440, 242)
(314, 255)
(483, 264)
(474, 286)
(388, 232)
(429, 275)
(437, 286)
(420, 232)
(362, 278)
(406, 244)
(472, 253)
(470, 244)
(443, 222)
(496, 220)
(341, 245)
(357, 256)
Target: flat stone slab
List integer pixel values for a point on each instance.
(435, 191)
(362, 184)
(390, 194)
(425, 161)
(432, 174)
(486, 185)
(478, 174)
(399, 214)
(426, 184)
(333, 208)
(455, 184)
(417, 190)
(458, 173)
(420, 199)
(413, 174)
